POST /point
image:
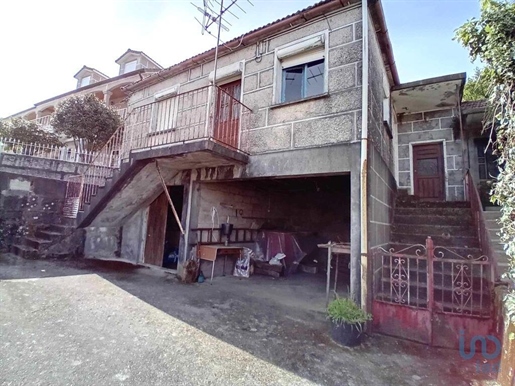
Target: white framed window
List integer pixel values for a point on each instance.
(165, 110)
(130, 66)
(86, 80)
(301, 69)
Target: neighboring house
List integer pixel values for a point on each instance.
(134, 66)
(310, 134)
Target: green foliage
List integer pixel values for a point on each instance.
(491, 39)
(478, 86)
(28, 132)
(345, 310)
(86, 118)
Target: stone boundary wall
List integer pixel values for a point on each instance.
(32, 192)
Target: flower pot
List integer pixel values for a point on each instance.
(346, 334)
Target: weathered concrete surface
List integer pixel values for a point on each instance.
(271, 331)
(85, 330)
(32, 192)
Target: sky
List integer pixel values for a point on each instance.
(44, 43)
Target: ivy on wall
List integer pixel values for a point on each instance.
(491, 39)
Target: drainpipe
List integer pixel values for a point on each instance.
(364, 160)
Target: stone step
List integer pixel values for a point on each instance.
(35, 243)
(452, 241)
(24, 251)
(502, 258)
(48, 235)
(491, 215)
(416, 202)
(64, 229)
(462, 212)
(434, 229)
(412, 202)
(428, 219)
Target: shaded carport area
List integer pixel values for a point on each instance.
(128, 325)
(291, 216)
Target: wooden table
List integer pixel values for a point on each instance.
(211, 253)
(334, 249)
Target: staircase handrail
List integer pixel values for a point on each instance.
(485, 243)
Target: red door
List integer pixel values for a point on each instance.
(227, 119)
(428, 171)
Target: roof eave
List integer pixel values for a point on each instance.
(139, 71)
(247, 39)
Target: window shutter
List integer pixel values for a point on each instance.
(314, 43)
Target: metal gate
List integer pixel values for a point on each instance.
(431, 294)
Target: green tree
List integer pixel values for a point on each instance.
(491, 39)
(27, 132)
(87, 120)
(478, 85)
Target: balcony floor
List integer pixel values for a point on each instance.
(192, 155)
(138, 183)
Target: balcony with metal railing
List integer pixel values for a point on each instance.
(193, 129)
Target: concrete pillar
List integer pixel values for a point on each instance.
(355, 228)
(191, 212)
(107, 97)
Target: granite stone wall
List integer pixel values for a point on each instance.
(32, 192)
(425, 127)
(330, 119)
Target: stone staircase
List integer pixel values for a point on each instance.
(44, 236)
(492, 215)
(450, 225)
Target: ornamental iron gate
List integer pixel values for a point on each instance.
(431, 294)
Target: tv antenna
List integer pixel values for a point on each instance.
(214, 14)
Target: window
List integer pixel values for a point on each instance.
(130, 66)
(301, 69)
(303, 81)
(487, 161)
(85, 81)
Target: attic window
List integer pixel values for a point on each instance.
(85, 81)
(130, 66)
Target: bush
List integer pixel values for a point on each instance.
(343, 310)
(87, 120)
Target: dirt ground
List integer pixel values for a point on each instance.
(277, 321)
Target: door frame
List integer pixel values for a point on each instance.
(444, 155)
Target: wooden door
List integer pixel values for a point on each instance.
(227, 119)
(428, 171)
(156, 229)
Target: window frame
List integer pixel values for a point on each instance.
(135, 61)
(279, 66)
(303, 86)
(88, 77)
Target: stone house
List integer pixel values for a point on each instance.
(304, 134)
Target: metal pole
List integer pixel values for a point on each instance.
(169, 199)
(328, 284)
(215, 95)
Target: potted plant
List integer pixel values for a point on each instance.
(347, 320)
